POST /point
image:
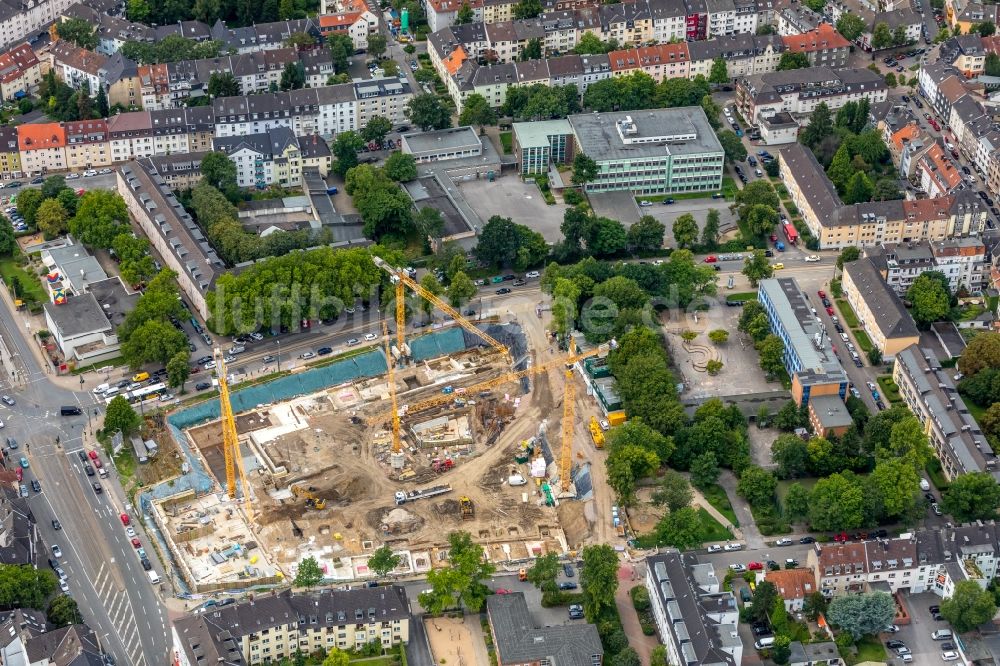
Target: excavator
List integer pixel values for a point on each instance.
(313, 501)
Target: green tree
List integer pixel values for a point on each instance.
(646, 235)
(376, 45)
(464, 14)
(63, 611)
(341, 49)
(732, 146)
(851, 26)
(51, 218)
(526, 9)
(24, 586)
(820, 126)
(461, 289)
(757, 268)
(28, 203)
(293, 76)
(897, 483)
(155, 341)
(861, 614)
(718, 336)
(757, 486)
(79, 32)
(376, 130)
(219, 171)
(757, 220)
(477, 111)
(121, 417)
(345, 149)
(598, 580)
(793, 60)
(532, 50)
(859, 189)
(847, 255)
(969, 606)
(178, 369)
(930, 298)
(990, 423)
(8, 242)
(837, 503)
(52, 186)
(780, 650)
(841, 169)
(138, 11)
(704, 470)
(426, 112)
(719, 72)
(625, 465)
(756, 193)
(674, 491)
(710, 232)
(764, 597)
(679, 529)
(543, 573)
(992, 64)
(308, 574)
(584, 169)
(815, 605)
(336, 657)
(401, 167)
(591, 44)
(881, 36)
(383, 561)
(973, 496)
(685, 230)
(983, 351)
(791, 455)
(986, 29)
(796, 502)
(658, 656)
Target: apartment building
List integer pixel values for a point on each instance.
(356, 25)
(382, 97)
(745, 54)
(20, 72)
(837, 225)
(42, 147)
(809, 359)
(853, 567)
(929, 391)
(87, 144)
(794, 586)
(880, 311)
(10, 155)
(823, 45)
(518, 641)
(900, 263)
(272, 627)
(965, 53)
(170, 230)
(662, 61)
(695, 618)
(937, 173)
(964, 261)
(27, 20)
(179, 172)
(828, 416)
(270, 158)
(131, 136)
(800, 91)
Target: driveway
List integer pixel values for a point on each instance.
(520, 201)
(633, 575)
(754, 539)
(917, 634)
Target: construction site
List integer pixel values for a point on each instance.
(499, 438)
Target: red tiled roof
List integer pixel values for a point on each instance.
(32, 136)
(338, 21)
(825, 36)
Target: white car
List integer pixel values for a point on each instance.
(166, 397)
(949, 656)
(64, 586)
(88, 173)
(738, 568)
(307, 355)
(209, 366)
(104, 171)
(813, 258)
(1, 424)
(370, 336)
(101, 388)
(130, 532)
(715, 548)
(645, 204)
(72, 176)
(871, 386)
(784, 541)
(256, 337)
(732, 547)
(531, 274)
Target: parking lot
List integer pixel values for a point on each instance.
(517, 200)
(917, 634)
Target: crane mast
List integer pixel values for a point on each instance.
(569, 407)
(230, 438)
(397, 442)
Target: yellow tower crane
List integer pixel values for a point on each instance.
(230, 438)
(441, 305)
(397, 442)
(569, 406)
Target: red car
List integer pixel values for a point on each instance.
(19, 473)
(136, 543)
(822, 294)
(829, 311)
(774, 237)
(755, 566)
(843, 537)
(501, 590)
(92, 454)
(97, 463)
(125, 519)
(711, 259)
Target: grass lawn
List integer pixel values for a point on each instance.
(863, 340)
(847, 313)
(507, 141)
(976, 411)
(869, 649)
(784, 485)
(728, 191)
(376, 661)
(937, 476)
(717, 497)
(710, 529)
(970, 312)
(888, 388)
(742, 296)
(117, 360)
(29, 283)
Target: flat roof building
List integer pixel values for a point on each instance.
(518, 641)
(828, 416)
(539, 144)
(930, 393)
(447, 144)
(809, 358)
(879, 309)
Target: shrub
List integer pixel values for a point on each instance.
(640, 598)
(572, 197)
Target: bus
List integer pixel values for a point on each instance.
(790, 233)
(142, 394)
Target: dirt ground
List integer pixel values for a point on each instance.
(345, 462)
(451, 641)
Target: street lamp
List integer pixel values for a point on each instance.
(278, 355)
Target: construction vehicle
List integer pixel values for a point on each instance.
(596, 433)
(439, 465)
(403, 497)
(468, 508)
(616, 418)
(313, 501)
(230, 438)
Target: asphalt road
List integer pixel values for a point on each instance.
(105, 576)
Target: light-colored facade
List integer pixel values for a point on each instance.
(880, 311)
(42, 147)
(87, 144)
(20, 72)
(800, 91)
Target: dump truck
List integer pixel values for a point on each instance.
(402, 497)
(468, 509)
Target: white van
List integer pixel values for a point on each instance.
(154, 577)
(924, 485)
(765, 642)
(941, 634)
(111, 392)
(101, 388)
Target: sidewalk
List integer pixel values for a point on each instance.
(699, 499)
(754, 539)
(632, 574)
